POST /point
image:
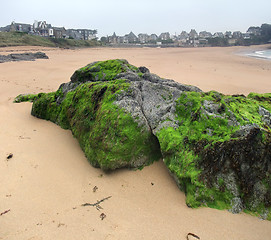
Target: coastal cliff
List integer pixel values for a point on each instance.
(216, 147)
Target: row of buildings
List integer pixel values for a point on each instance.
(44, 29)
(183, 39)
(132, 38)
(254, 35)
(201, 38)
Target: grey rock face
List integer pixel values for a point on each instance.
(237, 205)
(131, 76)
(144, 70)
(66, 87)
(150, 100)
(22, 57)
(150, 104)
(245, 130)
(168, 82)
(158, 104)
(266, 116)
(259, 192)
(40, 55)
(131, 101)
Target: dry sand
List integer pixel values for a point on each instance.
(48, 178)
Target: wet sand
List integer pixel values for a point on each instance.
(48, 178)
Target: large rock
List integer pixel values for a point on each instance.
(216, 147)
(113, 108)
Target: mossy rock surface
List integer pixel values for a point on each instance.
(25, 98)
(220, 155)
(103, 71)
(108, 135)
(217, 147)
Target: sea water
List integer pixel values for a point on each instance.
(265, 54)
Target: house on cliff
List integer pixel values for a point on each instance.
(74, 34)
(81, 34)
(42, 28)
(18, 27)
(87, 34)
(59, 32)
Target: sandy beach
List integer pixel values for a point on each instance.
(48, 178)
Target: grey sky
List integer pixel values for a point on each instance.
(140, 16)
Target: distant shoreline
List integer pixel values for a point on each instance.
(261, 54)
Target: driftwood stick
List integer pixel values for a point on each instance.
(4, 212)
(193, 235)
(95, 204)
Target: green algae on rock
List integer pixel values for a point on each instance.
(103, 71)
(25, 98)
(108, 135)
(220, 155)
(217, 147)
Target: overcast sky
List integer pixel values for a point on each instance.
(140, 16)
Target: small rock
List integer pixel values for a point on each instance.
(143, 69)
(95, 188)
(102, 216)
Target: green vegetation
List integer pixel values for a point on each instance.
(103, 71)
(179, 155)
(107, 134)
(66, 43)
(218, 42)
(25, 98)
(24, 39)
(206, 128)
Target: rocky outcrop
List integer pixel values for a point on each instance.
(220, 155)
(216, 147)
(113, 109)
(22, 57)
